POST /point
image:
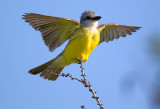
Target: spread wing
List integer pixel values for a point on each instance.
(108, 32)
(55, 31)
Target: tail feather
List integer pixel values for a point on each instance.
(40, 68)
(49, 70)
(51, 73)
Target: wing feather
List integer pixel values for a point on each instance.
(55, 30)
(116, 33)
(125, 31)
(122, 32)
(109, 32)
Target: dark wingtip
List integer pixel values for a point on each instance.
(32, 72)
(139, 27)
(24, 15)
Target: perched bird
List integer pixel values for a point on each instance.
(83, 38)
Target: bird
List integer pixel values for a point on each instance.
(83, 37)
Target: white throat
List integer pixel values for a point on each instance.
(90, 24)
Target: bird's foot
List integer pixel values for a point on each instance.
(79, 61)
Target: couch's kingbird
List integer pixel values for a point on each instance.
(83, 38)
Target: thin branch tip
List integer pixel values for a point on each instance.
(85, 82)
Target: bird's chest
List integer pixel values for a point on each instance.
(87, 43)
(82, 45)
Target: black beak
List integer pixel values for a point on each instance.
(96, 18)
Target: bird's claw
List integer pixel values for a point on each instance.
(79, 61)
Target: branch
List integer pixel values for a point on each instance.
(72, 78)
(85, 82)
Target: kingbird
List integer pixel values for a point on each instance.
(83, 37)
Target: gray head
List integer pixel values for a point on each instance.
(89, 19)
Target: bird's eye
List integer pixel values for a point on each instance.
(88, 17)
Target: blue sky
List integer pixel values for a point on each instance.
(22, 48)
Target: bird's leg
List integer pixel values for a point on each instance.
(79, 61)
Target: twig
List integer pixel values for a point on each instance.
(85, 82)
(72, 78)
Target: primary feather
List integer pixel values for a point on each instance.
(109, 32)
(55, 30)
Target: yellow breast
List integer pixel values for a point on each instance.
(81, 45)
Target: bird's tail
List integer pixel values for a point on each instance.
(49, 70)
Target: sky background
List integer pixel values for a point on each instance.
(22, 48)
